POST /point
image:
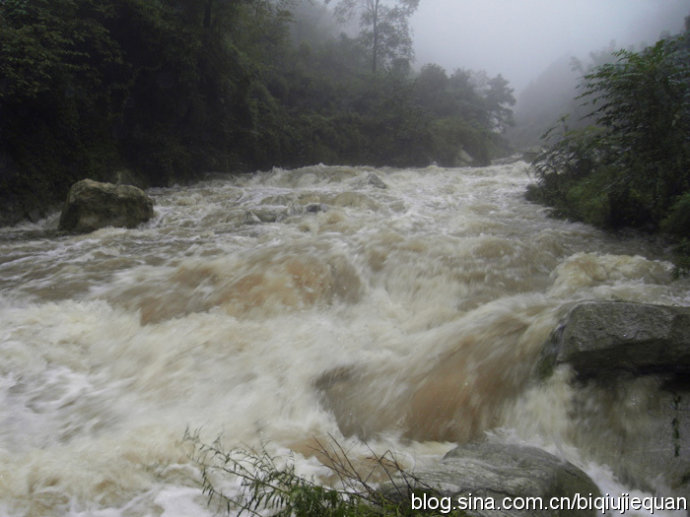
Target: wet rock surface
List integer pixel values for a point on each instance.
(91, 205)
(598, 337)
(631, 402)
(496, 475)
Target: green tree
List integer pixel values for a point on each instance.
(60, 80)
(432, 90)
(165, 88)
(632, 167)
(384, 27)
(469, 112)
(170, 88)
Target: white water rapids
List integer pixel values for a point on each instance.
(233, 311)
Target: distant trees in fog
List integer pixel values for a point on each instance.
(384, 27)
(169, 88)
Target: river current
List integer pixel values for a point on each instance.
(386, 309)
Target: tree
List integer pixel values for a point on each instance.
(631, 168)
(498, 97)
(383, 27)
(431, 89)
(169, 88)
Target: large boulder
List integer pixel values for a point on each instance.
(600, 337)
(501, 477)
(91, 205)
(631, 390)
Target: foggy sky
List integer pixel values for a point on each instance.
(520, 38)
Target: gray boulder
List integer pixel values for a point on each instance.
(631, 397)
(496, 471)
(91, 205)
(596, 338)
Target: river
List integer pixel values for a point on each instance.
(232, 312)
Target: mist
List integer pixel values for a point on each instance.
(520, 39)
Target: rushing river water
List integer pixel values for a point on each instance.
(284, 307)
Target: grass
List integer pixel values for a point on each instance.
(244, 481)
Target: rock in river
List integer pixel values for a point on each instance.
(602, 337)
(91, 205)
(497, 475)
(631, 391)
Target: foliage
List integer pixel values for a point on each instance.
(262, 484)
(469, 112)
(57, 65)
(89, 87)
(632, 166)
(682, 259)
(169, 88)
(384, 28)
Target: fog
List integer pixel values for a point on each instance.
(520, 38)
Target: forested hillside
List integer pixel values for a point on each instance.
(159, 91)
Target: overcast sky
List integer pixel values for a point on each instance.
(520, 38)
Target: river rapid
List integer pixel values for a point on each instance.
(240, 307)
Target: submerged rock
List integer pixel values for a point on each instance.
(266, 215)
(91, 205)
(375, 181)
(639, 426)
(314, 208)
(487, 473)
